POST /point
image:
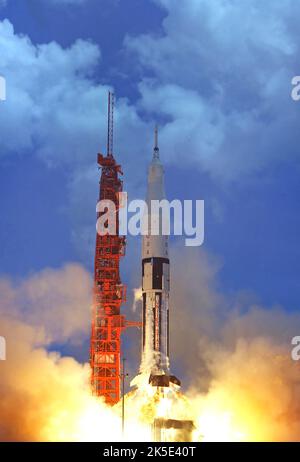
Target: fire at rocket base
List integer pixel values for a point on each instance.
(156, 285)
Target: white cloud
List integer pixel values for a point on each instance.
(54, 105)
(56, 110)
(220, 74)
(48, 93)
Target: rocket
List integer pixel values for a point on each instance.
(156, 284)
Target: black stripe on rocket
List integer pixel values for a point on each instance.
(157, 270)
(157, 264)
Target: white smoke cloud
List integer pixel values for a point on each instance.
(57, 302)
(204, 319)
(233, 354)
(46, 396)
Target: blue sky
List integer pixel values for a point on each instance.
(216, 76)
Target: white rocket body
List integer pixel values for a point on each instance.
(156, 285)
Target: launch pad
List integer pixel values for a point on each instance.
(179, 430)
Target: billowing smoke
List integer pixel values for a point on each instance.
(37, 387)
(233, 357)
(137, 297)
(44, 396)
(54, 301)
(253, 394)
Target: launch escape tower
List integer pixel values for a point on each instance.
(109, 292)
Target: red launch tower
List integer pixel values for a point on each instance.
(109, 292)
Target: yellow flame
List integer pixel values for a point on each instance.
(216, 417)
